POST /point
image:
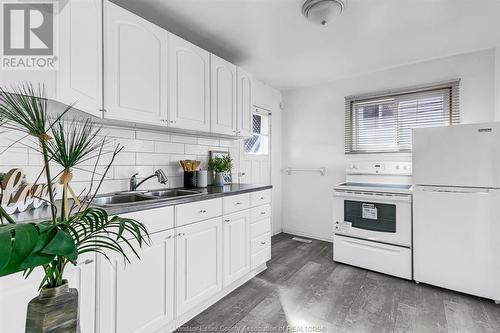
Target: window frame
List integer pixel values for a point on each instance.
(262, 113)
(352, 125)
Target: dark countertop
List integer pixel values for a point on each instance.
(211, 192)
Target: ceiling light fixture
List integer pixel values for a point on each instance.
(323, 11)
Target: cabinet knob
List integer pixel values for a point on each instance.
(263, 243)
(173, 121)
(238, 203)
(262, 213)
(227, 221)
(180, 234)
(261, 198)
(203, 211)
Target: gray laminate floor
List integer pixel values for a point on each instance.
(303, 290)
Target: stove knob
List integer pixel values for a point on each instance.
(398, 167)
(351, 166)
(405, 167)
(356, 166)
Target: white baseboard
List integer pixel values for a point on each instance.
(308, 235)
(277, 232)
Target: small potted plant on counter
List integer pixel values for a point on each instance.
(220, 166)
(75, 227)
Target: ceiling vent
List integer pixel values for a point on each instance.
(323, 11)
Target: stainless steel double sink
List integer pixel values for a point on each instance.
(127, 198)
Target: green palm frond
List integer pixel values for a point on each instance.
(75, 142)
(94, 231)
(26, 246)
(24, 108)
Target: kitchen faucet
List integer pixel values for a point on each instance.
(162, 178)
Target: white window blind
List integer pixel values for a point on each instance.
(383, 122)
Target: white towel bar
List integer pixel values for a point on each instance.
(321, 170)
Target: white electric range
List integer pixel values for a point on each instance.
(372, 213)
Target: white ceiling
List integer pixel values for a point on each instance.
(271, 39)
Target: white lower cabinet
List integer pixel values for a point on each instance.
(260, 228)
(236, 246)
(184, 270)
(138, 297)
(16, 292)
(198, 263)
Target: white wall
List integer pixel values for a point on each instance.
(497, 80)
(313, 129)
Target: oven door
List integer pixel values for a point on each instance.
(380, 217)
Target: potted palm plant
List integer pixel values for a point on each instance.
(220, 166)
(74, 227)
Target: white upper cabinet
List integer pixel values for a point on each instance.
(80, 55)
(223, 96)
(189, 85)
(135, 64)
(138, 297)
(236, 246)
(245, 103)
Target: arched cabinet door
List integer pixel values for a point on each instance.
(223, 96)
(135, 64)
(189, 85)
(245, 103)
(79, 79)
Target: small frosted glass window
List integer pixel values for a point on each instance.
(258, 143)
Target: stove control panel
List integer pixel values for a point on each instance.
(379, 168)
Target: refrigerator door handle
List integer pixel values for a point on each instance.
(464, 191)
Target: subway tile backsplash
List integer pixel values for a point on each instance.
(144, 152)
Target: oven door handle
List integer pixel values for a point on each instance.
(372, 196)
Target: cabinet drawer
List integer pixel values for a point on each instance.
(235, 203)
(261, 257)
(384, 258)
(260, 228)
(197, 211)
(155, 220)
(260, 213)
(260, 198)
(260, 242)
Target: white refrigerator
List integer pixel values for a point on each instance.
(456, 208)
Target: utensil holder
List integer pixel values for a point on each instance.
(189, 179)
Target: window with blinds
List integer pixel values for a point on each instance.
(383, 122)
